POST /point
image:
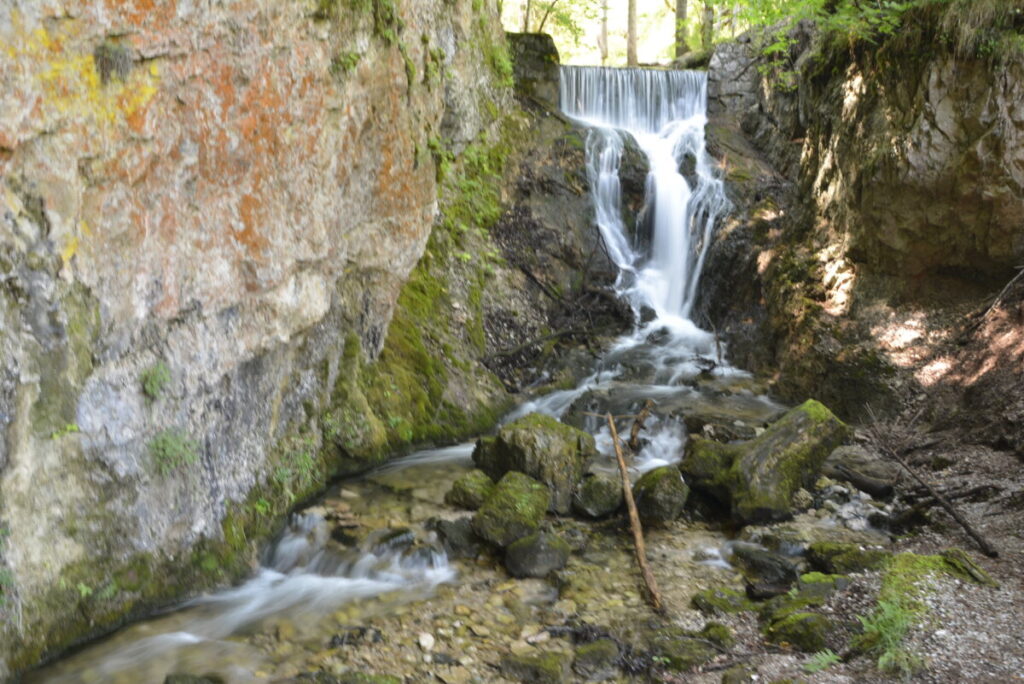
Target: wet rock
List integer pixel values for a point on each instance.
(193, 679)
(839, 558)
(352, 636)
(863, 469)
(766, 574)
(812, 590)
(793, 538)
(458, 538)
(536, 555)
(470, 491)
(680, 650)
(718, 428)
(805, 631)
(758, 479)
(514, 509)
(543, 448)
(721, 600)
(536, 66)
(547, 668)
(595, 661)
(598, 495)
(660, 495)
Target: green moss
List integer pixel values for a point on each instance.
(679, 650)
(844, 558)
(470, 491)
(514, 509)
(344, 63)
(155, 379)
(805, 631)
(172, 449)
(547, 668)
(721, 600)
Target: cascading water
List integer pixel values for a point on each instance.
(665, 113)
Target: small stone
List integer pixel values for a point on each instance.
(426, 641)
(536, 555)
(520, 647)
(546, 668)
(598, 495)
(660, 495)
(470, 491)
(802, 499)
(462, 610)
(596, 661)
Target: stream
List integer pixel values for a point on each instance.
(364, 566)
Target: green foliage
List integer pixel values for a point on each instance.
(884, 633)
(154, 380)
(822, 660)
(297, 471)
(172, 449)
(344, 62)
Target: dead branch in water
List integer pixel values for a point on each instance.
(653, 595)
(638, 425)
(886, 448)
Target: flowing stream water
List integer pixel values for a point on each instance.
(306, 575)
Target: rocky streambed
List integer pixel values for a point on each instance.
(511, 560)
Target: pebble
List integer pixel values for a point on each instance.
(520, 647)
(426, 641)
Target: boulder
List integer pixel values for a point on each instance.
(598, 495)
(837, 557)
(757, 479)
(457, 537)
(470, 491)
(864, 470)
(766, 573)
(660, 495)
(680, 650)
(543, 448)
(805, 631)
(721, 601)
(514, 509)
(536, 555)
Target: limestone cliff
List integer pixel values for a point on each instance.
(207, 214)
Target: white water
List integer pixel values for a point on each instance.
(664, 112)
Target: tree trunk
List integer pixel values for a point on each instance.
(681, 47)
(602, 41)
(526, 16)
(707, 27)
(631, 59)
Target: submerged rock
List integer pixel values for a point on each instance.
(470, 491)
(543, 448)
(598, 495)
(514, 509)
(758, 479)
(536, 555)
(660, 495)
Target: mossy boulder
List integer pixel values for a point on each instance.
(543, 448)
(470, 491)
(680, 650)
(514, 509)
(598, 495)
(757, 479)
(546, 668)
(660, 495)
(840, 558)
(596, 661)
(804, 631)
(721, 600)
(536, 555)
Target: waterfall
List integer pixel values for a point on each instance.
(664, 112)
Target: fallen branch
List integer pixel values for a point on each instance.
(880, 443)
(653, 595)
(638, 425)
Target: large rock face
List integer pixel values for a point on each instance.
(223, 200)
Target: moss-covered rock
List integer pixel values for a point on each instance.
(596, 661)
(841, 558)
(680, 650)
(536, 555)
(598, 495)
(543, 448)
(470, 491)
(758, 479)
(805, 631)
(514, 509)
(721, 600)
(660, 495)
(547, 668)
(717, 633)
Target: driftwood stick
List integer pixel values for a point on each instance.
(638, 425)
(882, 445)
(653, 595)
